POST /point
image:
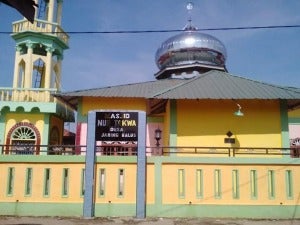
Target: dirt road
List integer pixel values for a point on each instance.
(4, 220)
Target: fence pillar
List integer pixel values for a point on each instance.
(141, 167)
(89, 201)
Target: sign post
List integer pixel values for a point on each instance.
(141, 168)
(88, 202)
(105, 125)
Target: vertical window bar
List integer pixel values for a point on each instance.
(181, 183)
(235, 184)
(82, 182)
(65, 182)
(121, 183)
(10, 182)
(217, 182)
(289, 184)
(102, 182)
(271, 183)
(28, 182)
(253, 183)
(199, 183)
(47, 182)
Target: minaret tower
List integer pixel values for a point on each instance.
(30, 115)
(39, 48)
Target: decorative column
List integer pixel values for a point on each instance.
(58, 72)
(48, 71)
(17, 67)
(28, 66)
(51, 11)
(59, 11)
(36, 11)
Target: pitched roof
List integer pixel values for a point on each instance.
(221, 85)
(211, 85)
(137, 90)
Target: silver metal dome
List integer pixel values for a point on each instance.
(191, 47)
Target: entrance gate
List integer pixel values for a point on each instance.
(106, 125)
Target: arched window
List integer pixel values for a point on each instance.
(38, 74)
(21, 74)
(23, 132)
(23, 138)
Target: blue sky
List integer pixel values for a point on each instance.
(97, 60)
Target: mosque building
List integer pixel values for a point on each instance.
(194, 101)
(216, 144)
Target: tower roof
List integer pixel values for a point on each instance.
(190, 51)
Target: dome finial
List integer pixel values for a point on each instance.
(189, 7)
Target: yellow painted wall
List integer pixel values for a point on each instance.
(205, 123)
(294, 114)
(36, 119)
(170, 184)
(75, 183)
(38, 177)
(150, 184)
(112, 182)
(89, 103)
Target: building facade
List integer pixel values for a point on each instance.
(217, 144)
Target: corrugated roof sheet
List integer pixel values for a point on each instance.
(137, 90)
(221, 85)
(211, 85)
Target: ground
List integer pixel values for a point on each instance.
(7, 220)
